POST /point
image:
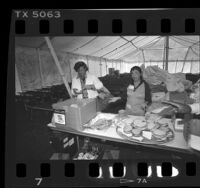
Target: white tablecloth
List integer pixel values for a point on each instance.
(178, 142)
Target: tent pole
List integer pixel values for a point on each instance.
(100, 67)
(70, 70)
(143, 55)
(164, 55)
(185, 58)
(166, 52)
(58, 65)
(106, 67)
(176, 65)
(199, 49)
(191, 65)
(87, 61)
(120, 66)
(68, 64)
(40, 67)
(17, 80)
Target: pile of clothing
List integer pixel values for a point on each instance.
(174, 82)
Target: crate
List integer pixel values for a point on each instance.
(63, 142)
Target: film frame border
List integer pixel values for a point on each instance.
(80, 27)
(155, 176)
(91, 22)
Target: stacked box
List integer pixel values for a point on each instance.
(77, 111)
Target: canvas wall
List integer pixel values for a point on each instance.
(36, 68)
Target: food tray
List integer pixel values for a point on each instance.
(170, 137)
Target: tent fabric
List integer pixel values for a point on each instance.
(114, 47)
(35, 74)
(28, 68)
(18, 88)
(50, 73)
(101, 53)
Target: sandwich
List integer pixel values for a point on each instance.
(163, 128)
(127, 129)
(140, 124)
(163, 121)
(152, 117)
(101, 124)
(159, 134)
(151, 126)
(136, 132)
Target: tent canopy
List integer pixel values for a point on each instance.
(125, 48)
(36, 67)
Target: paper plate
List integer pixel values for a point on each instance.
(143, 140)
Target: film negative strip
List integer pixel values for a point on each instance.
(103, 98)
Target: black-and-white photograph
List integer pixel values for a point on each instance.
(107, 97)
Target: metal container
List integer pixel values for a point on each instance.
(192, 133)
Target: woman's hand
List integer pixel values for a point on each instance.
(77, 92)
(114, 99)
(102, 96)
(103, 90)
(144, 106)
(90, 87)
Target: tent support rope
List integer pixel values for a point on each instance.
(185, 58)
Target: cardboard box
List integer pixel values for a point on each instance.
(77, 111)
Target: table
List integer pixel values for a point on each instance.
(178, 144)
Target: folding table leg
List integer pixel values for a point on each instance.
(31, 114)
(77, 140)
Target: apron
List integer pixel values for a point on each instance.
(135, 100)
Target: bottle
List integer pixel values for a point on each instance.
(85, 93)
(86, 145)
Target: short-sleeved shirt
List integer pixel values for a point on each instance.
(89, 80)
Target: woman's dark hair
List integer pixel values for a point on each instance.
(138, 69)
(80, 64)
